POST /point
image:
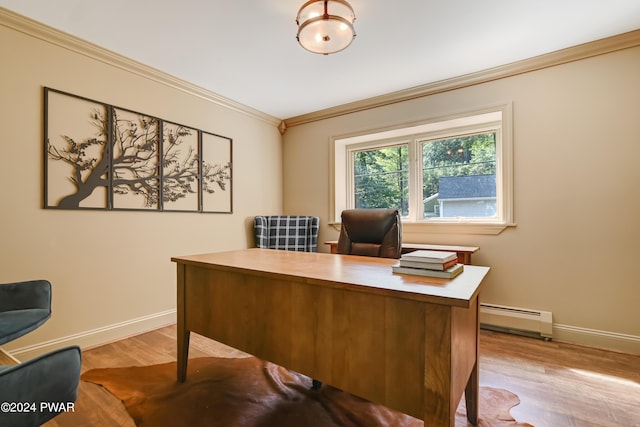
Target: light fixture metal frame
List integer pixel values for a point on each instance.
(326, 17)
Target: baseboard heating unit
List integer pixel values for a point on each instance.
(515, 320)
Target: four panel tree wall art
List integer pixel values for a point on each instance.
(98, 156)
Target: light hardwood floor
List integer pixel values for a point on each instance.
(559, 385)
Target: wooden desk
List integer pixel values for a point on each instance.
(407, 342)
(464, 252)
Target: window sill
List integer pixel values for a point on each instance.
(488, 228)
(449, 227)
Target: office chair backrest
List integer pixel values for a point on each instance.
(371, 232)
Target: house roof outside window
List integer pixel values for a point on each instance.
(467, 187)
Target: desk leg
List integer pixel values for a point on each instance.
(183, 353)
(471, 393)
(439, 410)
(472, 390)
(183, 333)
(451, 353)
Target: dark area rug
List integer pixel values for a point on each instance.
(234, 392)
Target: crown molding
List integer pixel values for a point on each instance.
(61, 39)
(559, 57)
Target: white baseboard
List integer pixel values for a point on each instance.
(7, 359)
(622, 343)
(99, 336)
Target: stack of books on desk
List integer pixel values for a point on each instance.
(430, 263)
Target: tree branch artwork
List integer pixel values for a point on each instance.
(88, 171)
(141, 162)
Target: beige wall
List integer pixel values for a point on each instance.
(577, 203)
(111, 271)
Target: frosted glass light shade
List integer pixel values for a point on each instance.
(325, 26)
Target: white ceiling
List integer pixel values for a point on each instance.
(246, 50)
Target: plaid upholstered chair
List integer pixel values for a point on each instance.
(287, 232)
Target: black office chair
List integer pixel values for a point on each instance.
(371, 232)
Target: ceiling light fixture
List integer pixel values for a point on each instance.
(325, 26)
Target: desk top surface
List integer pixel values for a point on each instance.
(356, 273)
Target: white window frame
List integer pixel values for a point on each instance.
(490, 119)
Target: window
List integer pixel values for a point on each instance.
(381, 177)
(452, 173)
(459, 176)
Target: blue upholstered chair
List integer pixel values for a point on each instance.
(287, 232)
(23, 307)
(48, 383)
